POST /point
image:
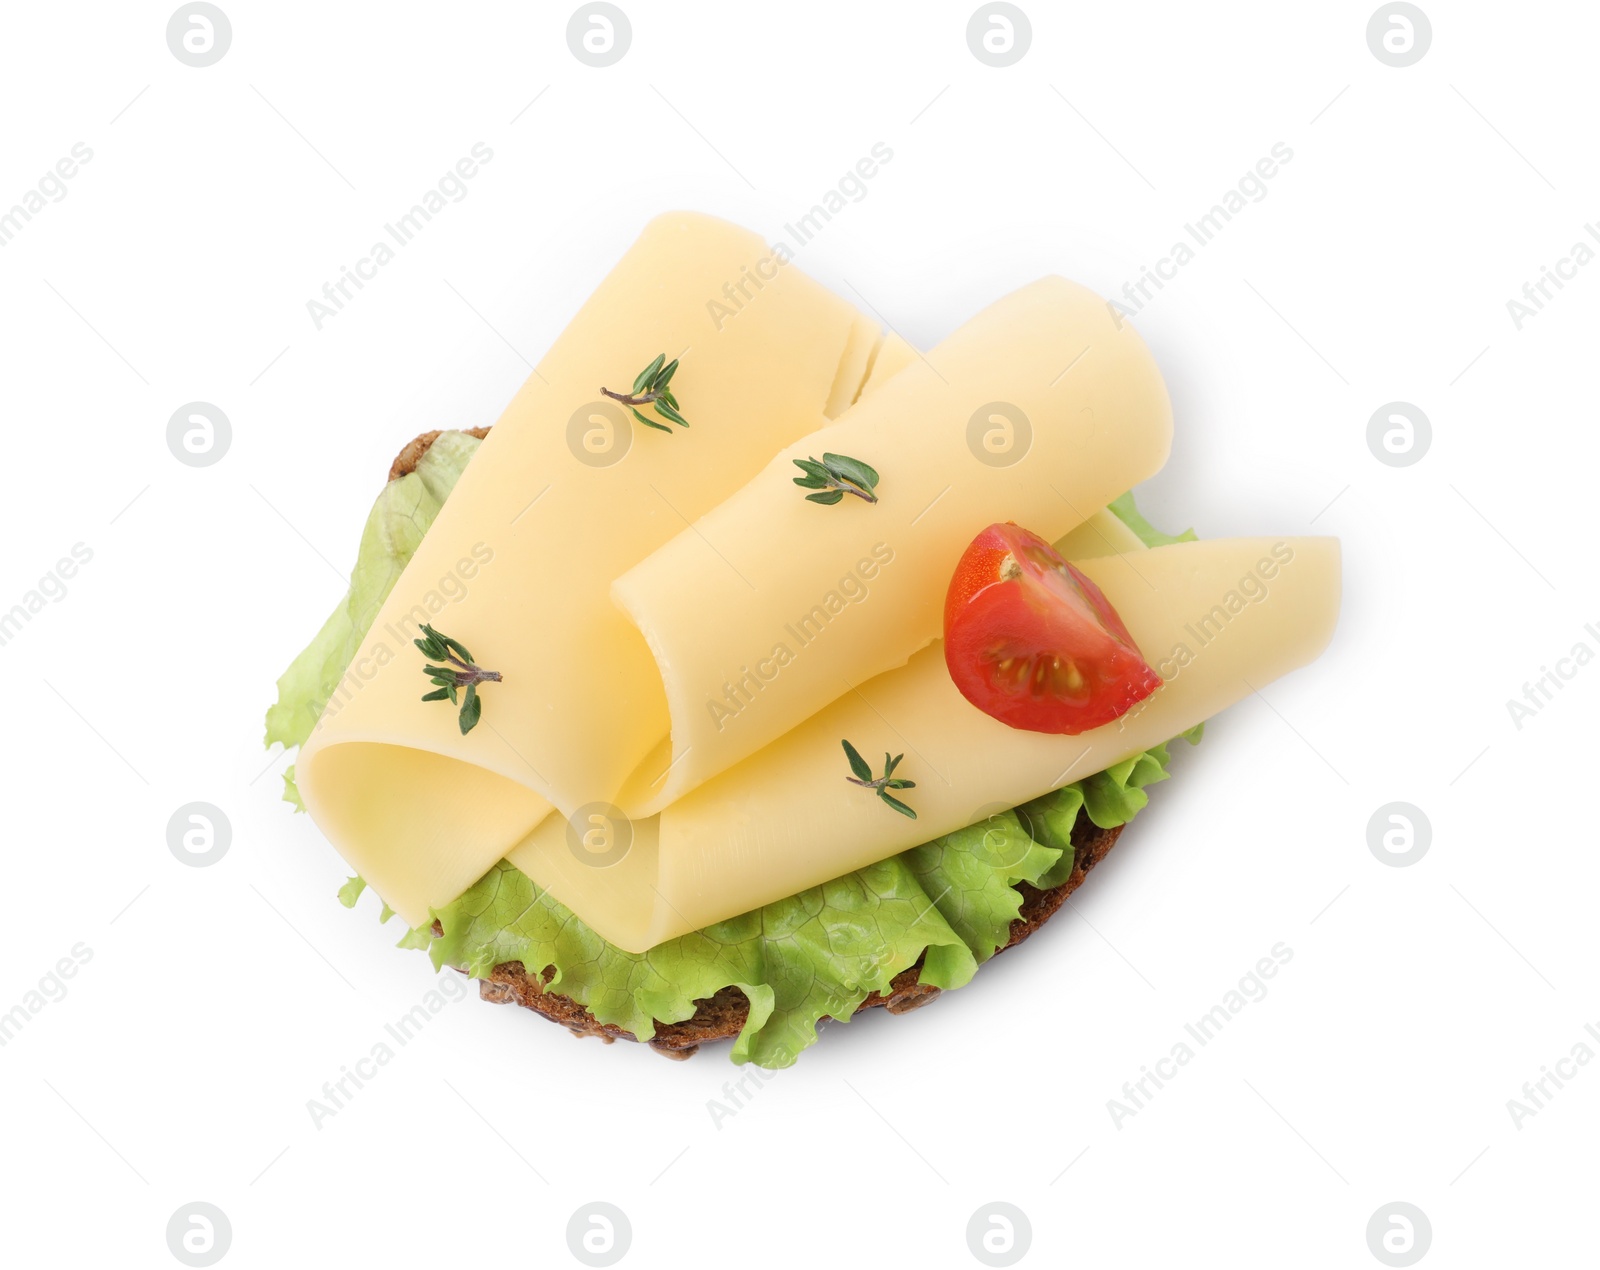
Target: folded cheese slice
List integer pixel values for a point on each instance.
(1217, 619)
(1041, 409)
(566, 493)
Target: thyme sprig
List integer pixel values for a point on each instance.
(836, 476)
(880, 785)
(460, 673)
(650, 389)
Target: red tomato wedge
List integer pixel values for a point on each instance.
(1032, 642)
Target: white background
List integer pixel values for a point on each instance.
(1377, 268)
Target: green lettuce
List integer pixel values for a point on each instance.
(817, 954)
(1123, 509)
(948, 903)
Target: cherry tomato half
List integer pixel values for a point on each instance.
(1032, 642)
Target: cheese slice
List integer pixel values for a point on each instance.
(1040, 410)
(566, 493)
(1103, 534)
(1217, 619)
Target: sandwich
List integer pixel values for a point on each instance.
(600, 717)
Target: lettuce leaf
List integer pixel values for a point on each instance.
(350, 892)
(815, 954)
(819, 954)
(970, 876)
(1123, 509)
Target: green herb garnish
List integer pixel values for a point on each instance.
(836, 476)
(650, 389)
(883, 784)
(460, 673)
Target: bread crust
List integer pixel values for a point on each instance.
(722, 1016)
(406, 461)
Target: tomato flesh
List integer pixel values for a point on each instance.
(1034, 643)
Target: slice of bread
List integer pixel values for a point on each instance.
(721, 1017)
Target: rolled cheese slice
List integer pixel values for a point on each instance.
(1217, 619)
(1038, 410)
(566, 493)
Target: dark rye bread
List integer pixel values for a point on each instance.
(720, 1017)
